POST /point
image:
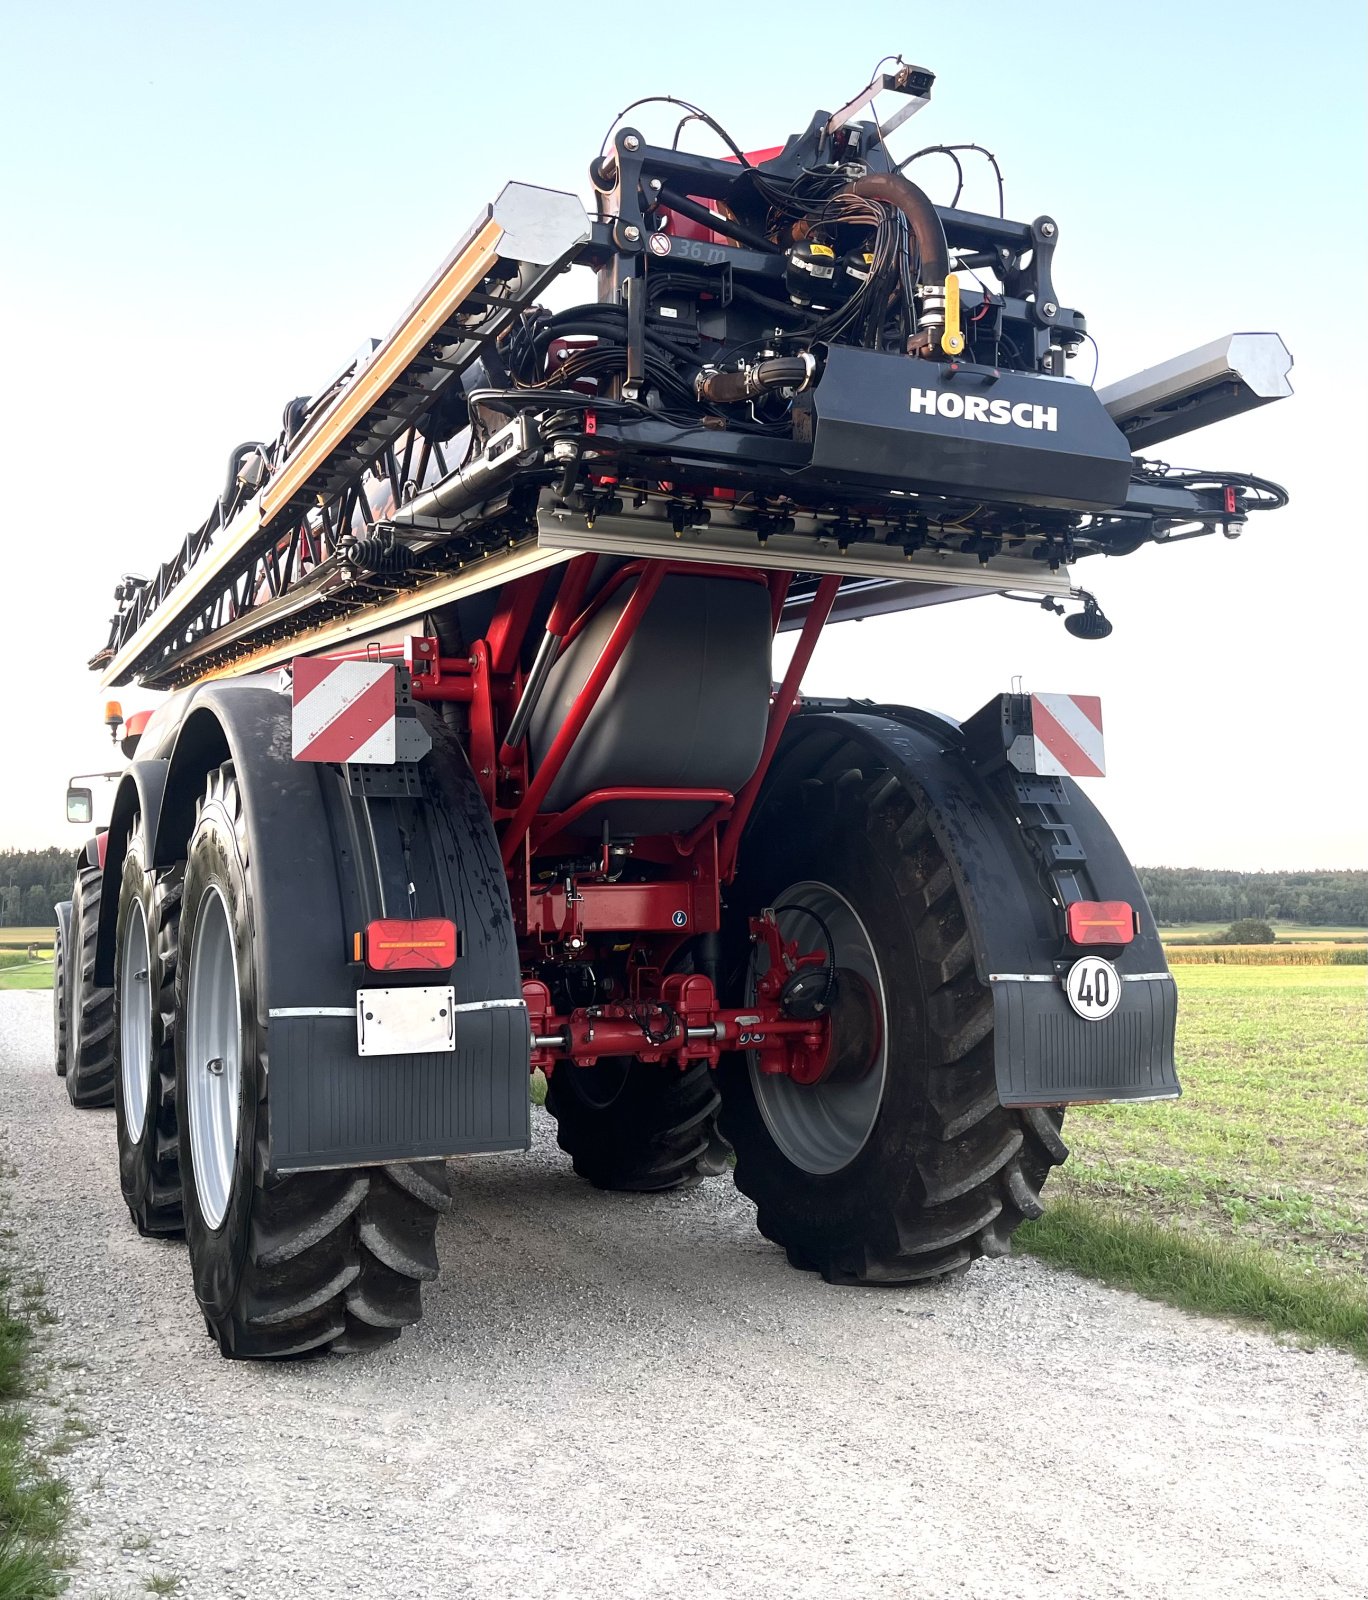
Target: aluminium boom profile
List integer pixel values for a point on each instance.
(537, 231)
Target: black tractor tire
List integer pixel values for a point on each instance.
(61, 995)
(90, 1015)
(298, 1262)
(636, 1125)
(149, 1161)
(946, 1173)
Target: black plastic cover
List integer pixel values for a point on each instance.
(968, 431)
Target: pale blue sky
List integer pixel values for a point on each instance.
(208, 207)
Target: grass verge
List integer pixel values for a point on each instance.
(33, 1503)
(28, 975)
(1246, 1197)
(1221, 1278)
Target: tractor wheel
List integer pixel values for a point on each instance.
(60, 997)
(145, 950)
(636, 1125)
(282, 1264)
(902, 1165)
(90, 1006)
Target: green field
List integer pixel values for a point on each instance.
(1295, 932)
(1246, 1196)
(27, 975)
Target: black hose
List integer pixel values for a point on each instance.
(293, 419)
(742, 291)
(709, 219)
(235, 460)
(776, 372)
(593, 326)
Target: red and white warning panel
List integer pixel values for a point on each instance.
(343, 711)
(1066, 736)
(1046, 735)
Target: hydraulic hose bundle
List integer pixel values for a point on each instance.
(886, 290)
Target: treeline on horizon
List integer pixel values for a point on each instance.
(1198, 894)
(33, 881)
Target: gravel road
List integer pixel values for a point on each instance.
(626, 1396)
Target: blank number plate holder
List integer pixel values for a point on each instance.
(403, 1022)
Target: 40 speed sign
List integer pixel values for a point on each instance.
(1093, 987)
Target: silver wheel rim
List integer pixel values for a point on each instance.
(822, 1127)
(135, 1021)
(213, 1056)
(58, 993)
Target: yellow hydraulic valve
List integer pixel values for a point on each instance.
(952, 340)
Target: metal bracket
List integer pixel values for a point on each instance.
(402, 780)
(914, 82)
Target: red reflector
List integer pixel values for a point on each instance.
(1231, 501)
(393, 945)
(1101, 922)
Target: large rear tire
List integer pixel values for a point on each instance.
(282, 1264)
(908, 1168)
(90, 1042)
(61, 985)
(146, 943)
(636, 1125)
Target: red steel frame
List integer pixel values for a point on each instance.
(583, 910)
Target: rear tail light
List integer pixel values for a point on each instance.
(427, 945)
(1101, 922)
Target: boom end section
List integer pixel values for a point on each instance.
(1222, 379)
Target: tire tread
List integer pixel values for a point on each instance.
(330, 1260)
(658, 1134)
(977, 1168)
(90, 1043)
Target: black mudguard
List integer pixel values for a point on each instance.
(322, 863)
(1045, 1053)
(137, 799)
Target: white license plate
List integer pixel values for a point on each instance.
(403, 1022)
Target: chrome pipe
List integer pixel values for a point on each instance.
(547, 652)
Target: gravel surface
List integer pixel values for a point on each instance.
(630, 1396)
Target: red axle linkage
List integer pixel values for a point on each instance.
(682, 1022)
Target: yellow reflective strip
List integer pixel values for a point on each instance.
(379, 373)
(385, 366)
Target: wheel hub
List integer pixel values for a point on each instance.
(854, 1035)
(822, 1114)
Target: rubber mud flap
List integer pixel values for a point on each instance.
(1046, 1054)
